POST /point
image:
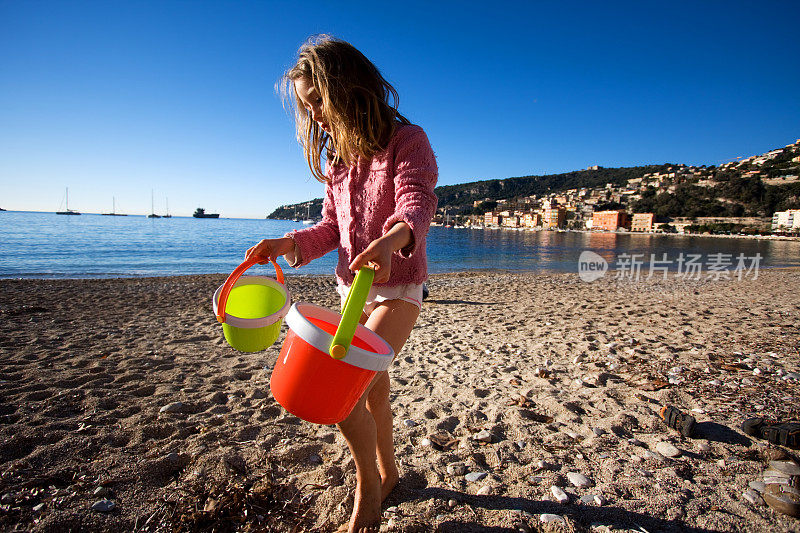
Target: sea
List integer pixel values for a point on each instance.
(46, 245)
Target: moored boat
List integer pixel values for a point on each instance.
(113, 212)
(201, 213)
(68, 210)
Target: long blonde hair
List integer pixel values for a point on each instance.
(355, 102)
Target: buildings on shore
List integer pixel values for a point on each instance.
(605, 208)
(786, 221)
(553, 216)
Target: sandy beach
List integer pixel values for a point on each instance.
(122, 408)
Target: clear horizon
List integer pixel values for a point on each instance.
(116, 100)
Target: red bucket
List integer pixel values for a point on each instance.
(311, 384)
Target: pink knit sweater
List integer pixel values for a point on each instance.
(364, 201)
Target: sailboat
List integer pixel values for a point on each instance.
(113, 212)
(68, 211)
(167, 215)
(308, 215)
(152, 207)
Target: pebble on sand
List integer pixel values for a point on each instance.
(668, 450)
(483, 436)
(174, 407)
(548, 518)
(103, 506)
(475, 476)
(560, 496)
(578, 480)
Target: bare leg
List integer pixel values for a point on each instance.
(368, 429)
(359, 431)
(393, 321)
(378, 406)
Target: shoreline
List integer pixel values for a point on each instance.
(715, 235)
(124, 390)
(289, 274)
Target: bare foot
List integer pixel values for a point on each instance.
(366, 509)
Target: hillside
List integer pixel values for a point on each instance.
(465, 194)
(757, 186)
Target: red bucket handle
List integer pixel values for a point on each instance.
(237, 272)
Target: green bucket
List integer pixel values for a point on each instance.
(251, 308)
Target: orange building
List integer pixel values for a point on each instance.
(610, 220)
(554, 217)
(642, 222)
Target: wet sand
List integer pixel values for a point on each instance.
(123, 395)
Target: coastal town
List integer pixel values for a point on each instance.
(583, 208)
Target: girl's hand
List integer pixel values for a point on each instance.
(378, 254)
(270, 249)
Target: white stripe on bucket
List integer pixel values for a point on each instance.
(298, 321)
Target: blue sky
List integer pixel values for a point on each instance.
(116, 99)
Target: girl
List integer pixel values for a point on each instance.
(379, 175)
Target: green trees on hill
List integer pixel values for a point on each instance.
(734, 196)
(465, 194)
(687, 201)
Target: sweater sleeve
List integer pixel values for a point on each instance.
(415, 177)
(322, 237)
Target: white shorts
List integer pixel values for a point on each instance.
(411, 293)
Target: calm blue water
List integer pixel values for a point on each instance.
(45, 245)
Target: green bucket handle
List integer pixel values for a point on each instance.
(351, 312)
(237, 272)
